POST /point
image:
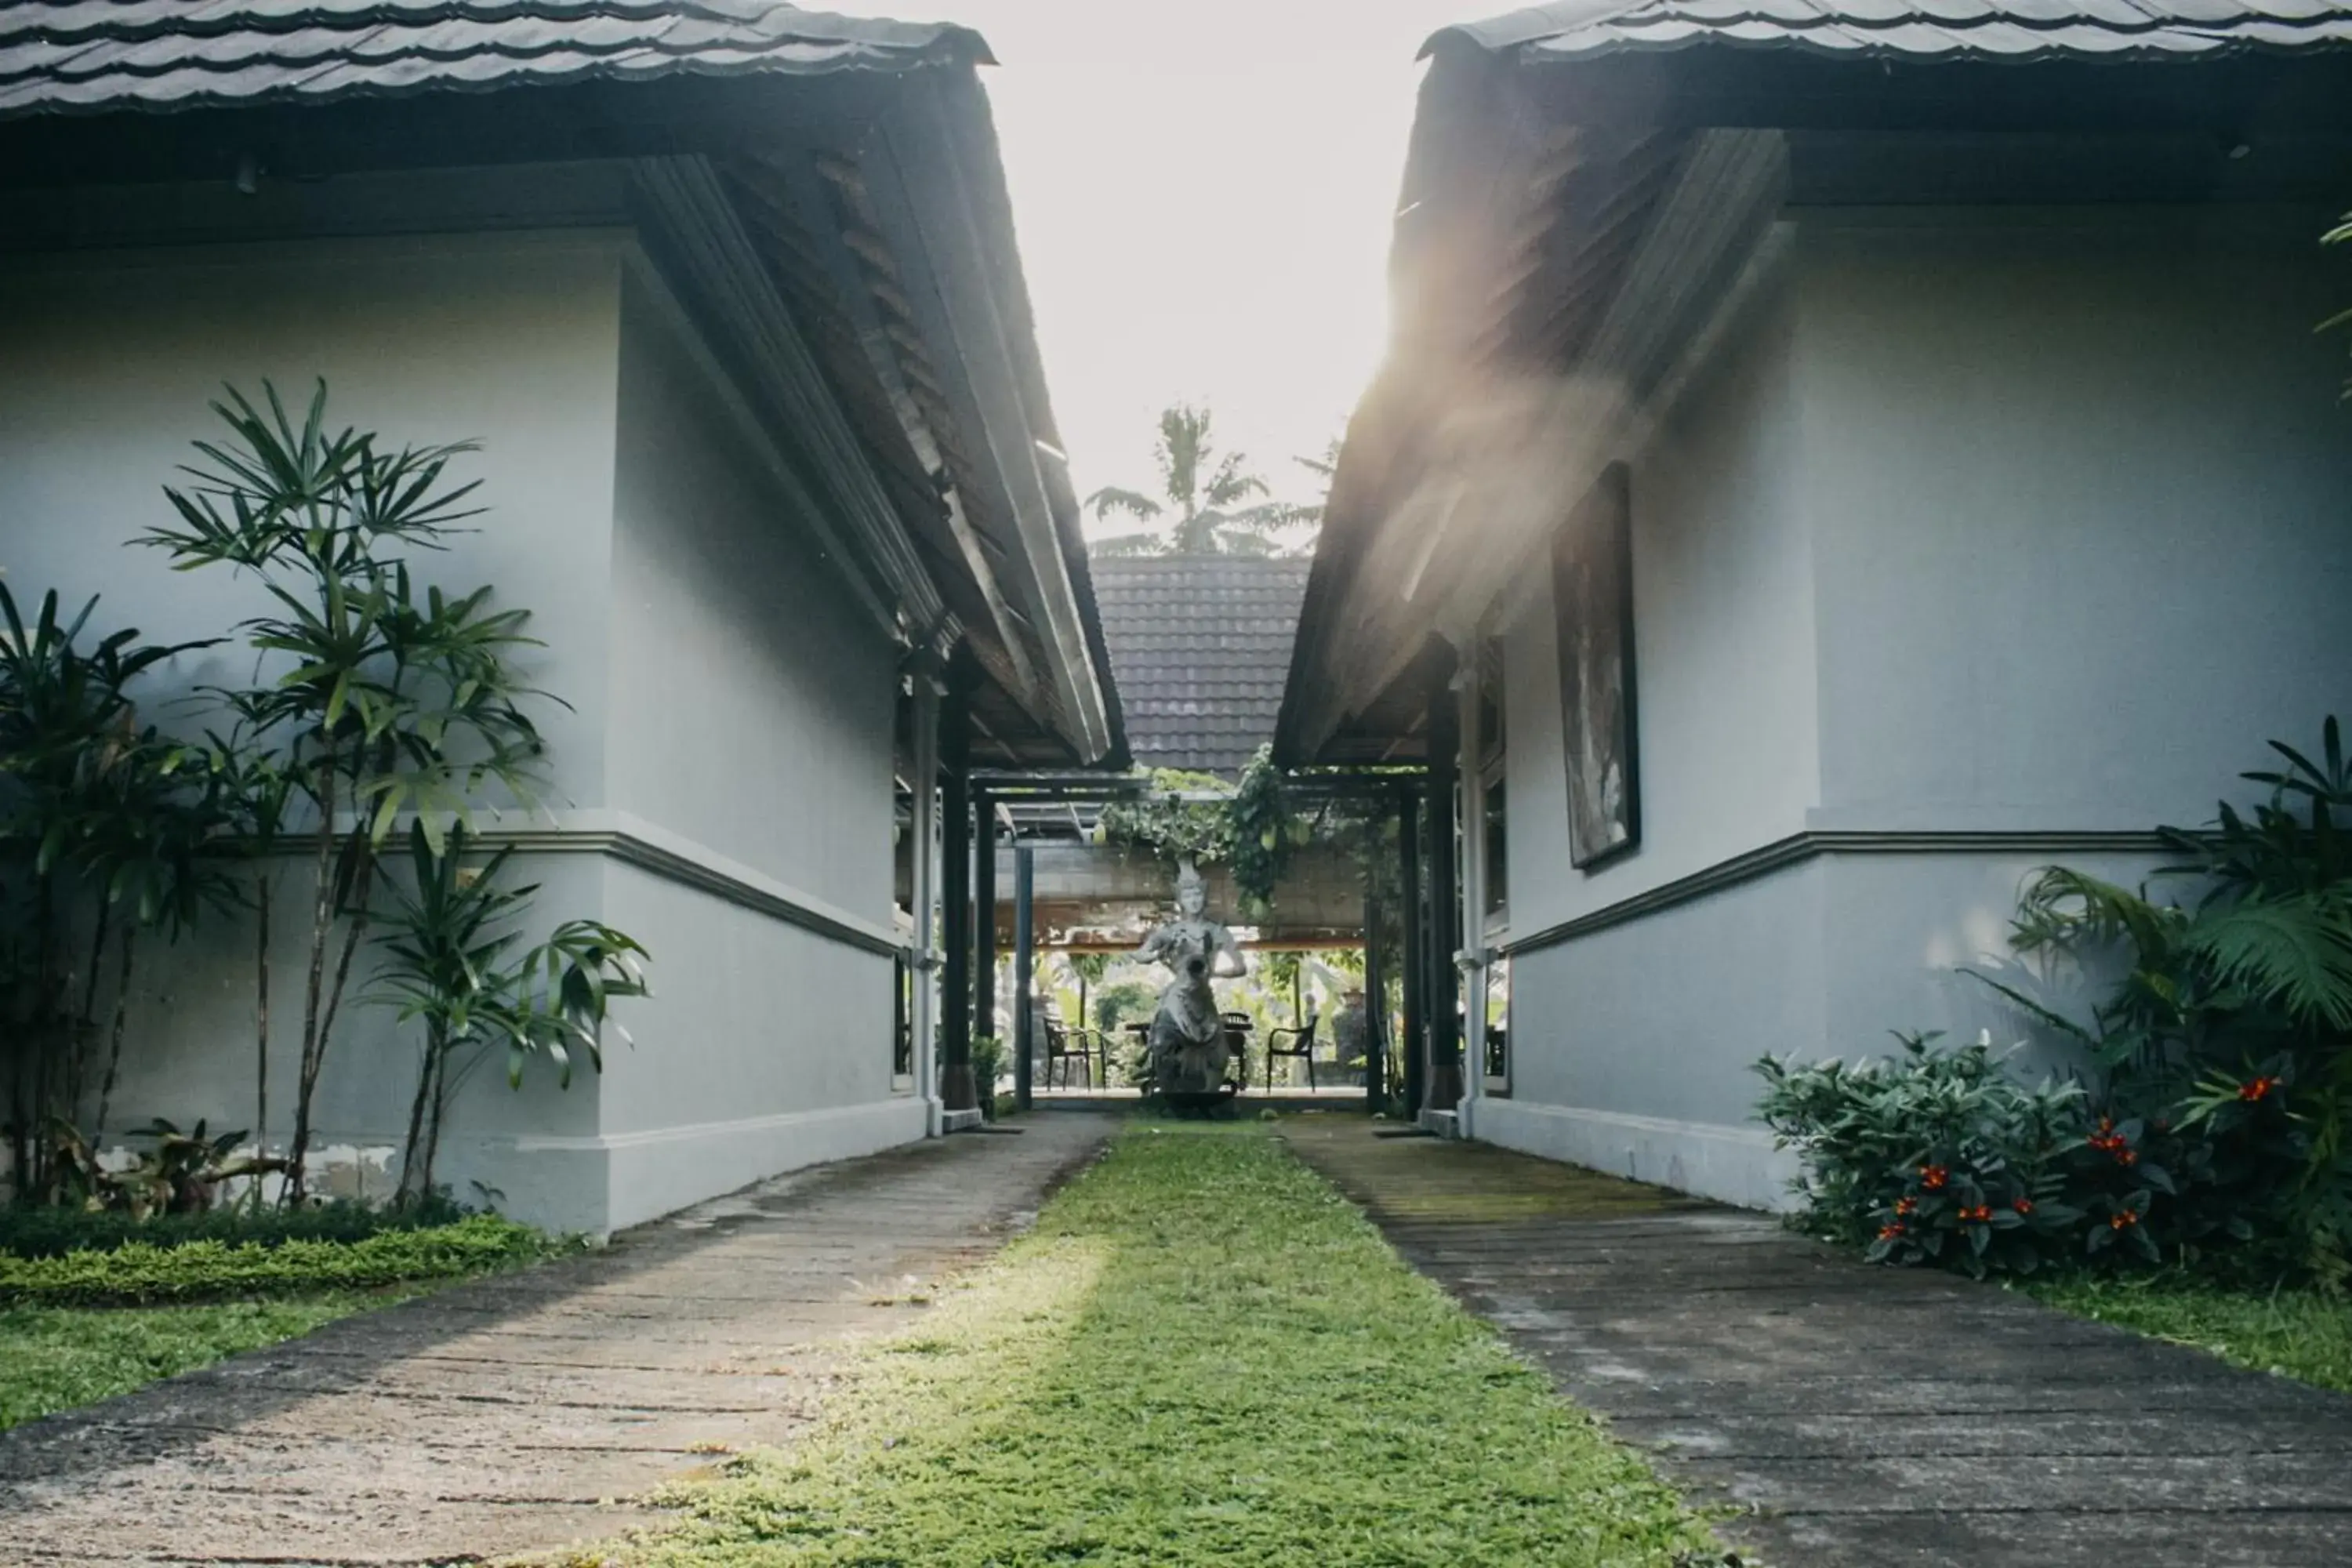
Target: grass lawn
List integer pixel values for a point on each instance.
(55, 1358)
(2297, 1334)
(1201, 1354)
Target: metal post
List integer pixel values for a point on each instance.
(1024, 958)
(1413, 918)
(1470, 959)
(1444, 905)
(1376, 993)
(957, 1090)
(926, 889)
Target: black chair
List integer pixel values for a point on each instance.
(1237, 1038)
(1301, 1046)
(1066, 1046)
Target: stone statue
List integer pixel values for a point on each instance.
(1187, 1042)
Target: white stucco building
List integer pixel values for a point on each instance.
(1986, 492)
(734, 307)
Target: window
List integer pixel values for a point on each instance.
(1492, 706)
(1495, 841)
(902, 1022)
(1498, 1024)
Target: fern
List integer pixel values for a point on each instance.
(2295, 952)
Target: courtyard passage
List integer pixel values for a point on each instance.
(1861, 1417)
(1123, 1341)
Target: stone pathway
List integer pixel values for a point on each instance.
(508, 1415)
(1869, 1417)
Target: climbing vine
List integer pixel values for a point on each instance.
(1250, 827)
(1183, 817)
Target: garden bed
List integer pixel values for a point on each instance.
(1202, 1353)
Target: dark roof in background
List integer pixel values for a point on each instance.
(1199, 645)
(89, 55)
(1945, 29)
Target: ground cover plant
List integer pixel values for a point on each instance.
(82, 1325)
(1202, 1353)
(59, 1357)
(2304, 1334)
(140, 1271)
(31, 1232)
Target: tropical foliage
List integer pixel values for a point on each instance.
(1251, 826)
(452, 965)
(2206, 1122)
(378, 696)
(103, 833)
(1210, 502)
(389, 697)
(195, 1270)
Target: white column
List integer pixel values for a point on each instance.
(1470, 961)
(926, 692)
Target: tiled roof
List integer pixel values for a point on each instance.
(81, 56)
(1929, 29)
(1200, 645)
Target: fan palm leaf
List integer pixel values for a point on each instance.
(2294, 952)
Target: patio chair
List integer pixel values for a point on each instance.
(1301, 1046)
(1237, 1038)
(1065, 1046)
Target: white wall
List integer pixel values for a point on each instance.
(727, 702)
(2034, 521)
(2080, 483)
(111, 359)
(752, 704)
(1724, 632)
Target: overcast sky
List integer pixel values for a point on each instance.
(1203, 192)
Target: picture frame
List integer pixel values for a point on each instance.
(1592, 606)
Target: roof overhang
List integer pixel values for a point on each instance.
(1576, 230)
(839, 228)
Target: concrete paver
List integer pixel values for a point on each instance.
(1866, 1417)
(522, 1413)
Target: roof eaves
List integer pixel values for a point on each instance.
(84, 56)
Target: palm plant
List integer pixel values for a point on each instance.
(389, 697)
(449, 941)
(251, 792)
(91, 807)
(1198, 510)
(2232, 1012)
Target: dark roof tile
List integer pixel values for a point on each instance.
(1201, 647)
(1938, 29)
(84, 56)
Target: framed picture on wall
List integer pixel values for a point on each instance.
(1592, 600)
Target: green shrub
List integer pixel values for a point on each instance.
(987, 1066)
(2210, 1128)
(139, 1272)
(48, 1232)
(1935, 1155)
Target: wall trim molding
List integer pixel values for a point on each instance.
(1800, 847)
(673, 858)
